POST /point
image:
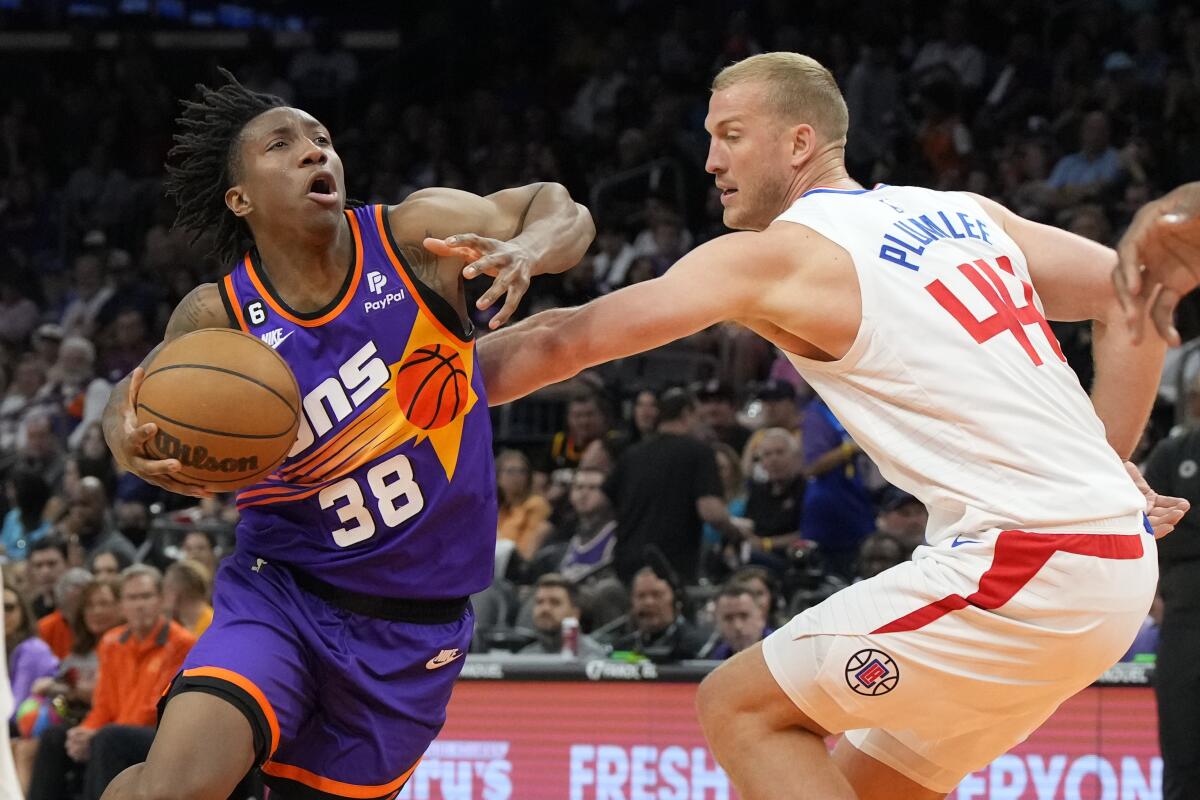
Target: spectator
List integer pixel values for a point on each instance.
(589, 551)
(658, 629)
(38, 448)
(645, 416)
(47, 563)
(201, 546)
(718, 413)
(774, 505)
(954, 51)
(662, 489)
(524, 516)
(28, 377)
(904, 517)
(586, 422)
(837, 511)
(128, 345)
(71, 688)
(89, 525)
(740, 623)
(187, 592)
(721, 555)
(875, 100)
(25, 522)
(55, 627)
(73, 393)
(1090, 172)
(554, 599)
(1171, 468)
(763, 587)
(28, 657)
(611, 265)
(90, 293)
(878, 552)
(108, 564)
(18, 314)
(137, 662)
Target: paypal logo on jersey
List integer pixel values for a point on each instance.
(376, 281)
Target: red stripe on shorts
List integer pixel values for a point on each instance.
(1019, 555)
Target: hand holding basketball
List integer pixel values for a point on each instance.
(128, 446)
(1160, 261)
(510, 264)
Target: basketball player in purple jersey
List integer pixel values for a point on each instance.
(342, 619)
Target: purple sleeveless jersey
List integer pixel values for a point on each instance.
(389, 489)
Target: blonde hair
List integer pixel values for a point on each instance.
(799, 89)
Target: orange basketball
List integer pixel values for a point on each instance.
(227, 407)
(431, 386)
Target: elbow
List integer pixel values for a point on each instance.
(587, 227)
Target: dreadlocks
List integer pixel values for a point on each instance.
(204, 161)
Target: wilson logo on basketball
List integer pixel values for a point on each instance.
(431, 386)
(197, 456)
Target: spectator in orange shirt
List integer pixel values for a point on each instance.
(137, 661)
(524, 516)
(187, 588)
(55, 629)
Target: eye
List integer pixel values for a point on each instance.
(322, 140)
(276, 145)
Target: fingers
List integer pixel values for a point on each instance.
(511, 301)
(443, 249)
(502, 284)
(492, 264)
(1162, 312)
(136, 378)
(142, 434)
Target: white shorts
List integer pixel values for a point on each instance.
(939, 665)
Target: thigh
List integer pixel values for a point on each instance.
(874, 780)
(382, 693)
(204, 746)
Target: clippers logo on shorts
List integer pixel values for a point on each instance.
(375, 282)
(872, 673)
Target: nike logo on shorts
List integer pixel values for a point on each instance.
(959, 540)
(442, 659)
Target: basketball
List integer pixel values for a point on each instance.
(431, 386)
(227, 407)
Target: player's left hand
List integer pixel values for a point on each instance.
(1163, 510)
(509, 264)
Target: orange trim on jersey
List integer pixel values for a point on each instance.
(263, 501)
(340, 307)
(233, 298)
(328, 449)
(247, 686)
(394, 257)
(330, 786)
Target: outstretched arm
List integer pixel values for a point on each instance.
(713, 283)
(511, 235)
(1072, 277)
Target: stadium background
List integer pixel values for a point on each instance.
(607, 98)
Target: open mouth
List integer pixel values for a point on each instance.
(320, 186)
(323, 191)
(727, 195)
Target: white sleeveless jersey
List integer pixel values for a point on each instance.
(955, 385)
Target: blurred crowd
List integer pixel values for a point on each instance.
(677, 505)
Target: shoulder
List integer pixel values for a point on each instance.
(179, 636)
(202, 307)
(111, 639)
(33, 647)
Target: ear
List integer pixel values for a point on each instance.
(804, 143)
(238, 201)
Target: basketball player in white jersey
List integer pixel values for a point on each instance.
(920, 317)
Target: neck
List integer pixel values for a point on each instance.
(826, 169)
(143, 632)
(674, 426)
(306, 271)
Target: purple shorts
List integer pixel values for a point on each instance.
(342, 705)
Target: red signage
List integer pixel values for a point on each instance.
(548, 740)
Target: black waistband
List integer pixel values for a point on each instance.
(393, 609)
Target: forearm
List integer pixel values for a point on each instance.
(832, 459)
(112, 419)
(1126, 382)
(555, 227)
(522, 358)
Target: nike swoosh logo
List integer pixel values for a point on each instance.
(959, 540)
(281, 339)
(443, 658)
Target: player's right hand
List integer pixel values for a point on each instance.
(1159, 261)
(1163, 511)
(130, 448)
